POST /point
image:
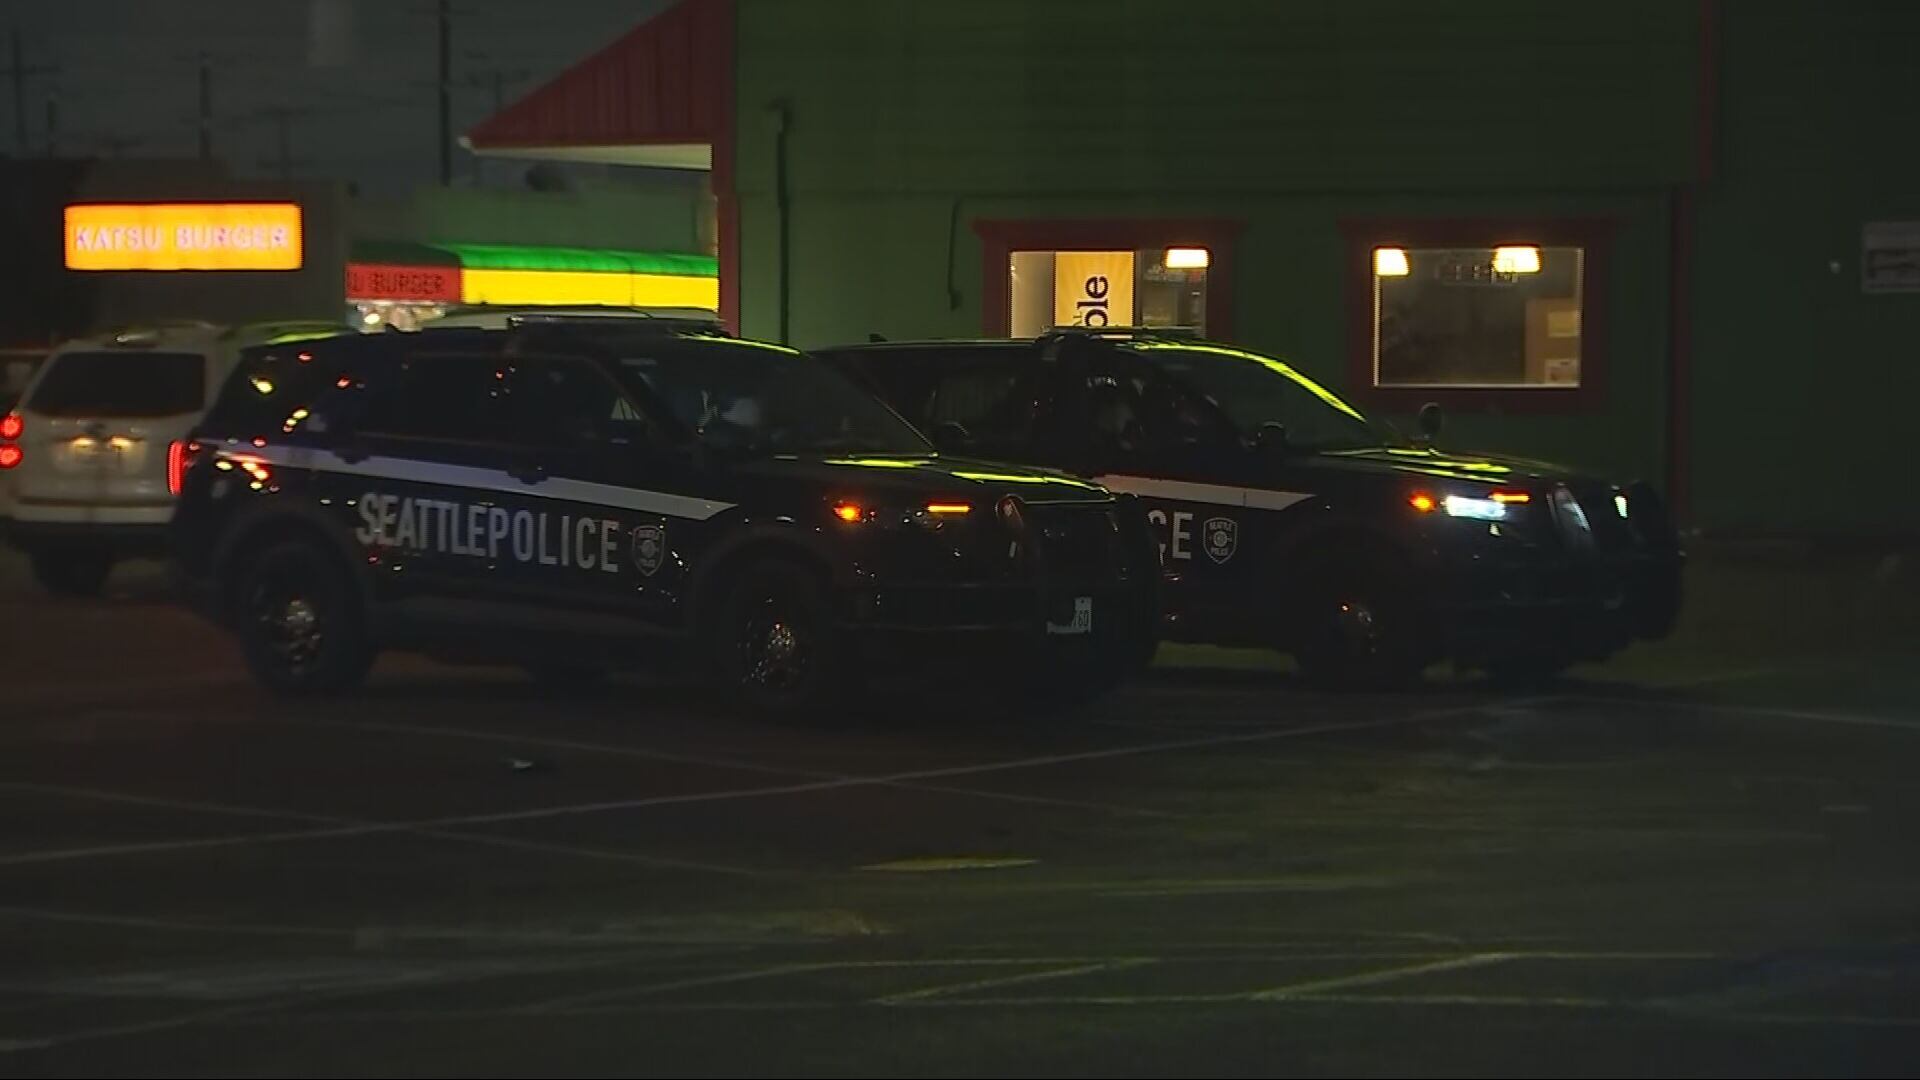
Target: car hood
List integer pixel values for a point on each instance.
(1414, 461)
(919, 475)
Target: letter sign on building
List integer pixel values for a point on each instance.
(184, 236)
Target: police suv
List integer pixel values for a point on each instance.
(579, 495)
(1287, 518)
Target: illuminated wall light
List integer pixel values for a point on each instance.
(1390, 262)
(1516, 260)
(1188, 258)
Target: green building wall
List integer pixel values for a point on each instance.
(906, 122)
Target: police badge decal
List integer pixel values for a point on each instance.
(1221, 535)
(649, 547)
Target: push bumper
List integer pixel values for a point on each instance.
(1585, 609)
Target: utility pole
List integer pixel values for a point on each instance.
(495, 79)
(53, 125)
(283, 162)
(206, 108)
(446, 93)
(19, 70)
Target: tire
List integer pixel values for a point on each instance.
(1357, 628)
(71, 573)
(301, 627)
(774, 644)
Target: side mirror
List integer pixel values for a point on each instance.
(1430, 420)
(951, 437)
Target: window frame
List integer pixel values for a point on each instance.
(1594, 236)
(1001, 237)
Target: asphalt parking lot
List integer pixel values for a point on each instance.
(1694, 861)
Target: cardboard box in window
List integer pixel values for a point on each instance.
(1553, 342)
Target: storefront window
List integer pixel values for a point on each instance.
(1158, 287)
(1504, 317)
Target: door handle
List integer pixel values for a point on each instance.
(528, 473)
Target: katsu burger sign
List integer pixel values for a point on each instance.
(184, 236)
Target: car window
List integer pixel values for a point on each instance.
(1255, 390)
(567, 403)
(121, 383)
(445, 396)
(991, 398)
(754, 398)
(283, 387)
(1131, 407)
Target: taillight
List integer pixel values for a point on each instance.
(11, 426)
(9, 456)
(179, 456)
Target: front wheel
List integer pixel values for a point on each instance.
(71, 573)
(300, 626)
(775, 645)
(1358, 629)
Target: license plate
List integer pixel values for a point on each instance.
(1080, 623)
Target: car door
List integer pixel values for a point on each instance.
(1137, 432)
(601, 465)
(424, 460)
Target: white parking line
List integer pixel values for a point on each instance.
(738, 794)
(1812, 716)
(930, 993)
(1383, 975)
(714, 762)
(482, 839)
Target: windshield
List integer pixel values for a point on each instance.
(1254, 391)
(765, 399)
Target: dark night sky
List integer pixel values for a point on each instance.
(357, 75)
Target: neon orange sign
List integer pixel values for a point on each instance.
(184, 236)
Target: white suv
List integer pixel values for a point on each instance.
(91, 457)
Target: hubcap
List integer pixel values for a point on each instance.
(290, 623)
(1357, 627)
(773, 648)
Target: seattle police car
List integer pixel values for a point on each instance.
(1287, 518)
(582, 495)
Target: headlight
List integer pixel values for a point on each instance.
(1493, 506)
(1462, 506)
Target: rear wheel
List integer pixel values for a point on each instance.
(774, 642)
(71, 573)
(301, 628)
(1358, 628)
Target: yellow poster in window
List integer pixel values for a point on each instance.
(1093, 288)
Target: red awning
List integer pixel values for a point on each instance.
(666, 82)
